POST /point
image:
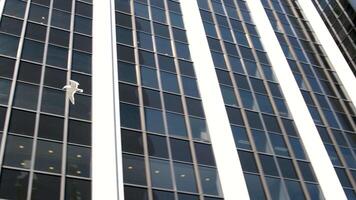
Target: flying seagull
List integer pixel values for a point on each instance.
(71, 89)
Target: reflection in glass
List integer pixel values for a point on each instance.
(160, 173)
(45, 187)
(210, 181)
(185, 177)
(134, 169)
(78, 161)
(48, 156)
(18, 152)
(13, 184)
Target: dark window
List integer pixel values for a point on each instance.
(83, 25)
(81, 62)
(15, 8)
(204, 154)
(162, 195)
(154, 121)
(344, 180)
(297, 148)
(149, 77)
(123, 20)
(265, 104)
(276, 188)
(143, 25)
(240, 137)
(11, 25)
(294, 190)
(29, 72)
(268, 165)
(160, 173)
(234, 115)
(6, 67)
(10, 42)
(78, 161)
(144, 41)
(63, 4)
(128, 93)
(287, 168)
(59, 37)
(261, 142)
(13, 184)
(241, 82)
(57, 56)
(18, 152)
(83, 9)
(61, 19)
(134, 193)
(179, 34)
(82, 107)
(84, 80)
(157, 146)
(55, 77)
(130, 116)
(5, 86)
(46, 186)
(146, 58)
(254, 187)
(278, 144)
(134, 169)
(307, 171)
(210, 181)
(161, 30)
(248, 162)
(151, 98)
(254, 120)
(141, 10)
(38, 14)
(185, 177)
(158, 15)
(176, 125)
(53, 101)
(180, 150)
(131, 141)
(169, 82)
(271, 123)
(223, 77)
(48, 156)
(26, 119)
(166, 63)
(190, 87)
(182, 196)
(77, 189)
(122, 5)
(127, 72)
(51, 127)
(79, 132)
(123, 35)
(82, 43)
(186, 68)
(195, 107)
(173, 102)
(163, 46)
(33, 51)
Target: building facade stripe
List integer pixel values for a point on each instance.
(333, 52)
(227, 160)
(314, 147)
(104, 152)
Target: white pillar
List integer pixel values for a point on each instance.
(106, 144)
(320, 161)
(227, 161)
(332, 51)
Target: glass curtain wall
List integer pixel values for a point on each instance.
(272, 155)
(45, 140)
(332, 111)
(165, 140)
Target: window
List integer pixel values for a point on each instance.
(264, 103)
(210, 181)
(166, 63)
(55, 77)
(258, 85)
(268, 165)
(157, 146)
(6, 67)
(83, 25)
(307, 171)
(78, 161)
(26, 119)
(241, 82)
(45, 186)
(11, 25)
(261, 141)
(38, 14)
(287, 168)
(146, 58)
(161, 30)
(57, 56)
(162, 195)
(204, 154)
(160, 173)
(63, 4)
(61, 19)
(240, 137)
(48, 156)
(13, 183)
(173, 102)
(15, 8)
(278, 145)
(127, 72)
(131, 141)
(82, 107)
(84, 80)
(51, 127)
(18, 152)
(144, 41)
(59, 37)
(134, 169)
(29, 72)
(180, 150)
(195, 107)
(77, 189)
(83, 9)
(154, 121)
(141, 10)
(26, 96)
(199, 129)
(271, 123)
(254, 120)
(223, 77)
(228, 96)
(276, 188)
(32, 51)
(4, 91)
(82, 62)
(247, 99)
(294, 190)
(163, 46)
(128, 93)
(149, 77)
(130, 116)
(234, 115)
(79, 132)
(123, 35)
(297, 148)
(176, 125)
(185, 177)
(142, 25)
(10, 42)
(248, 162)
(83, 43)
(123, 20)
(134, 193)
(151, 98)
(169, 82)
(182, 50)
(53, 101)
(254, 187)
(158, 15)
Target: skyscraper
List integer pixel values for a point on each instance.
(182, 99)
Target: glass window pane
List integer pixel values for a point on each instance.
(134, 193)
(190, 87)
(315, 192)
(180, 150)
(157, 146)
(151, 98)
(307, 171)
(228, 96)
(79, 132)
(287, 168)
(176, 125)
(83, 25)
(297, 148)
(210, 181)
(82, 107)
(169, 82)
(162, 195)
(254, 120)
(130, 116)
(268, 165)
(8, 45)
(173, 102)
(149, 77)
(33, 51)
(4, 91)
(195, 107)
(53, 101)
(124, 35)
(131, 141)
(51, 127)
(127, 72)
(154, 121)
(144, 41)
(45, 187)
(78, 161)
(128, 93)
(48, 156)
(11, 25)
(38, 14)
(254, 187)
(30, 72)
(13, 183)
(185, 177)
(276, 188)
(18, 152)
(264, 103)
(199, 129)
(15, 8)
(234, 115)
(204, 154)
(294, 190)
(26, 119)
(278, 144)
(6, 67)
(57, 56)
(248, 162)
(77, 189)
(81, 62)
(160, 173)
(134, 169)
(240, 137)
(60, 19)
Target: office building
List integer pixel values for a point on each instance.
(180, 100)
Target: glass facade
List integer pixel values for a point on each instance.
(45, 140)
(340, 17)
(332, 111)
(271, 153)
(165, 140)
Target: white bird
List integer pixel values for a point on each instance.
(71, 89)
